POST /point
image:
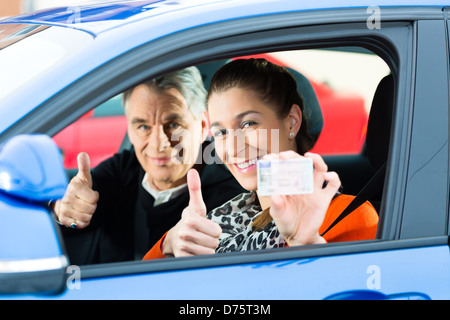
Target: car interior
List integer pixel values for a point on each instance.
(361, 174)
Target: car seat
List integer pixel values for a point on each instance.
(379, 126)
(377, 147)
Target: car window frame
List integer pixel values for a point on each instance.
(258, 38)
(447, 28)
(429, 158)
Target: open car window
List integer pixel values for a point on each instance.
(339, 84)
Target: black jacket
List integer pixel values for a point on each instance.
(126, 225)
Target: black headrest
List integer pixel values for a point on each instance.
(312, 110)
(379, 126)
(208, 69)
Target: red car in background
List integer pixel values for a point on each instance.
(100, 132)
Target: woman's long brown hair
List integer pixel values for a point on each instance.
(274, 86)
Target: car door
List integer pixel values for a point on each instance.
(409, 259)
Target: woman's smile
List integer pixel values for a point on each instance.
(246, 166)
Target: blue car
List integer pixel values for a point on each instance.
(58, 64)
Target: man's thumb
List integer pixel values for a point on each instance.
(84, 168)
(195, 192)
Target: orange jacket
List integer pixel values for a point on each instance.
(361, 224)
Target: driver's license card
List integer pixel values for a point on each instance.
(285, 177)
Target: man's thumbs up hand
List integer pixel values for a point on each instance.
(79, 203)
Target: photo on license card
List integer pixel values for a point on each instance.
(285, 177)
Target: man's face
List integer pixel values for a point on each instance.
(165, 135)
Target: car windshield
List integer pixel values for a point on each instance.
(27, 51)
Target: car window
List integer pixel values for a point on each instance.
(343, 80)
(112, 107)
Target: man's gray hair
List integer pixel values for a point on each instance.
(187, 81)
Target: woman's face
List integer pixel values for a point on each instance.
(245, 129)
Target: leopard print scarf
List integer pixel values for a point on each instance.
(235, 217)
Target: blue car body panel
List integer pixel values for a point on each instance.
(315, 278)
(374, 275)
(99, 18)
(20, 243)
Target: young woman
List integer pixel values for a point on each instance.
(249, 100)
